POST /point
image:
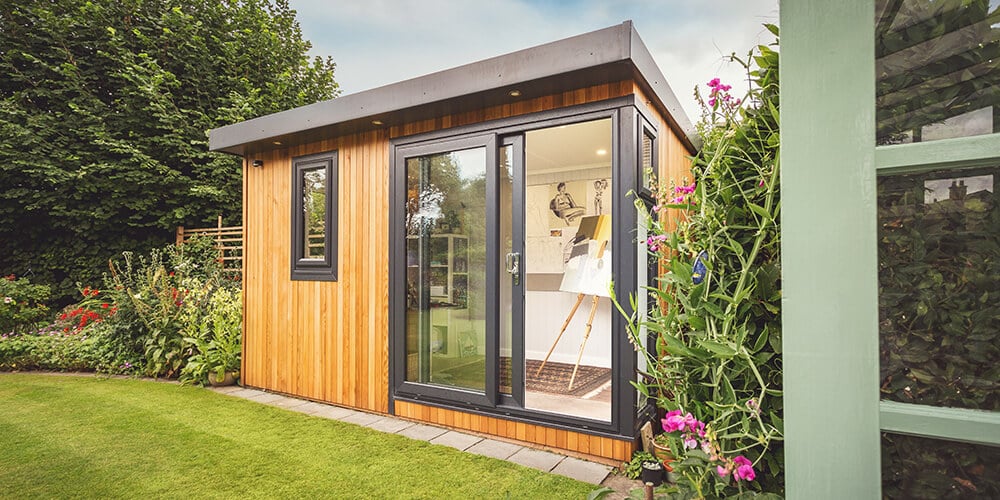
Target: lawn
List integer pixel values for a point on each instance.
(89, 437)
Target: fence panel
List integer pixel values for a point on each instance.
(228, 241)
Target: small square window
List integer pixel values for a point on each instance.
(314, 217)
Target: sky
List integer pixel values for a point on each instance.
(379, 42)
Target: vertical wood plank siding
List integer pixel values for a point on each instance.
(328, 341)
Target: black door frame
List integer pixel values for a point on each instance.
(626, 114)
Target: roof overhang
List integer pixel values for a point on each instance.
(604, 56)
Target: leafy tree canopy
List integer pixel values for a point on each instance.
(104, 113)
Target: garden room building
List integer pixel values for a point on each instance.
(442, 249)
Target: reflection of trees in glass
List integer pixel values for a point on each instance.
(446, 194)
(935, 61)
(314, 212)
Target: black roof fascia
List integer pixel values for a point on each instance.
(609, 54)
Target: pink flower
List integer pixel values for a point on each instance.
(744, 469)
(761, 183)
(711, 102)
(714, 82)
(673, 421)
(690, 443)
(706, 447)
(722, 471)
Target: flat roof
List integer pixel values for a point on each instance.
(603, 56)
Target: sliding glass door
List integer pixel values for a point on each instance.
(507, 265)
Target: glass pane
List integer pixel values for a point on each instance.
(937, 68)
(568, 269)
(314, 212)
(939, 288)
(506, 281)
(924, 468)
(647, 162)
(446, 269)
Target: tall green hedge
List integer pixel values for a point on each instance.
(104, 113)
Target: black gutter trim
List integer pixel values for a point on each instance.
(590, 51)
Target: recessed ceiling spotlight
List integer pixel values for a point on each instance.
(602, 152)
(276, 143)
(378, 123)
(514, 93)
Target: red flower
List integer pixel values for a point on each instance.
(86, 292)
(10, 277)
(105, 305)
(94, 292)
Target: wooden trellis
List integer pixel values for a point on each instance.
(228, 241)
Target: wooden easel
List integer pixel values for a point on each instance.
(586, 333)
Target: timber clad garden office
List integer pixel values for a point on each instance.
(443, 248)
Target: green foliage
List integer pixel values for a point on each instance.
(22, 305)
(717, 330)
(104, 109)
(216, 332)
(633, 468)
(930, 469)
(155, 314)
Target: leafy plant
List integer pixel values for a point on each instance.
(715, 364)
(633, 468)
(217, 338)
(22, 305)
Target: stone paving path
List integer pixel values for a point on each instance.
(581, 470)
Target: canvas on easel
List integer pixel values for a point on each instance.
(588, 272)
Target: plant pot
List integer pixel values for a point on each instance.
(228, 379)
(662, 452)
(652, 472)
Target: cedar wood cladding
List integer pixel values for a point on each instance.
(328, 341)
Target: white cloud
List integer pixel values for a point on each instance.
(378, 42)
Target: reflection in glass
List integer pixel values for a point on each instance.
(445, 269)
(314, 212)
(923, 468)
(939, 288)
(937, 69)
(567, 261)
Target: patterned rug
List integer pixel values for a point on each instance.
(554, 378)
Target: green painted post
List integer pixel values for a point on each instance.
(828, 236)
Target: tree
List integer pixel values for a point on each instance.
(104, 111)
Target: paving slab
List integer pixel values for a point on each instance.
(227, 389)
(265, 397)
(333, 412)
(457, 440)
(310, 408)
(582, 470)
(360, 418)
(536, 459)
(246, 393)
(287, 402)
(495, 449)
(389, 424)
(422, 432)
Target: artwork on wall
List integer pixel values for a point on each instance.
(553, 213)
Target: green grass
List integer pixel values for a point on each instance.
(89, 437)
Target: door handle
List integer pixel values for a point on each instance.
(514, 267)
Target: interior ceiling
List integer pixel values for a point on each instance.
(568, 147)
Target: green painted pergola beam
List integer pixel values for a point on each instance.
(959, 424)
(965, 151)
(829, 264)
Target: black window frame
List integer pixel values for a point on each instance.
(325, 269)
(626, 114)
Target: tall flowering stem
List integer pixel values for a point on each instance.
(714, 363)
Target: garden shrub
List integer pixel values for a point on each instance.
(715, 368)
(145, 320)
(23, 305)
